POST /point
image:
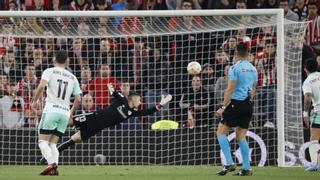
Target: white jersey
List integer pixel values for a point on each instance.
(61, 84)
(312, 85)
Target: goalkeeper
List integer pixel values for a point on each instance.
(118, 111)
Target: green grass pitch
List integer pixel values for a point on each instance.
(151, 173)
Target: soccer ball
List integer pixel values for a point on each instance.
(194, 68)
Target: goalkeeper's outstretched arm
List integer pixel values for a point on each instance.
(164, 101)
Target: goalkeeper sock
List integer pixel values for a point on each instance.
(65, 145)
(244, 148)
(313, 149)
(54, 152)
(46, 151)
(225, 147)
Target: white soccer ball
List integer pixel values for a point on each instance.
(194, 68)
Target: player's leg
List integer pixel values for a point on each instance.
(241, 132)
(75, 138)
(86, 125)
(314, 139)
(244, 149)
(222, 132)
(47, 131)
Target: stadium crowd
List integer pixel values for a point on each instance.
(153, 66)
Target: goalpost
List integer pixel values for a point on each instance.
(131, 42)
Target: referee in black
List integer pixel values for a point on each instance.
(237, 109)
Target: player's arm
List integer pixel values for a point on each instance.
(164, 101)
(76, 91)
(232, 83)
(306, 108)
(46, 75)
(39, 92)
(253, 91)
(114, 93)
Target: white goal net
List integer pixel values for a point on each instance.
(149, 54)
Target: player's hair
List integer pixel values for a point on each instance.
(311, 65)
(242, 49)
(132, 94)
(61, 57)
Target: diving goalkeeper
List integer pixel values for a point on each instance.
(119, 110)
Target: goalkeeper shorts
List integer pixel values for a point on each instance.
(238, 114)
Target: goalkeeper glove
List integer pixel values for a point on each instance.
(110, 88)
(165, 99)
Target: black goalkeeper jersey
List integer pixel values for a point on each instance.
(117, 112)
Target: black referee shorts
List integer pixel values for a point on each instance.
(238, 114)
(87, 125)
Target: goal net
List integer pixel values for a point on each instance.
(148, 52)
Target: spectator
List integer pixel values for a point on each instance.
(156, 73)
(301, 9)
(33, 115)
(133, 122)
(256, 4)
(11, 109)
(3, 84)
(83, 29)
(9, 66)
(221, 59)
(265, 64)
(222, 4)
(313, 29)
(271, 4)
(8, 42)
(87, 104)
(208, 77)
(153, 5)
(288, 13)
(85, 80)
(48, 47)
(195, 104)
(185, 22)
(78, 56)
(241, 4)
(81, 5)
(220, 86)
(98, 87)
(55, 5)
(101, 5)
(39, 63)
(27, 84)
(33, 25)
(229, 46)
(121, 5)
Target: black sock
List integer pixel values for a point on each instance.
(65, 145)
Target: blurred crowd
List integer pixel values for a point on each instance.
(152, 65)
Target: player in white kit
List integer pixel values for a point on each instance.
(311, 91)
(60, 85)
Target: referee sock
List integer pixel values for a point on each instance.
(225, 147)
(244, 148)
(65, 145)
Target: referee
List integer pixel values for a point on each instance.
(237, 109)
